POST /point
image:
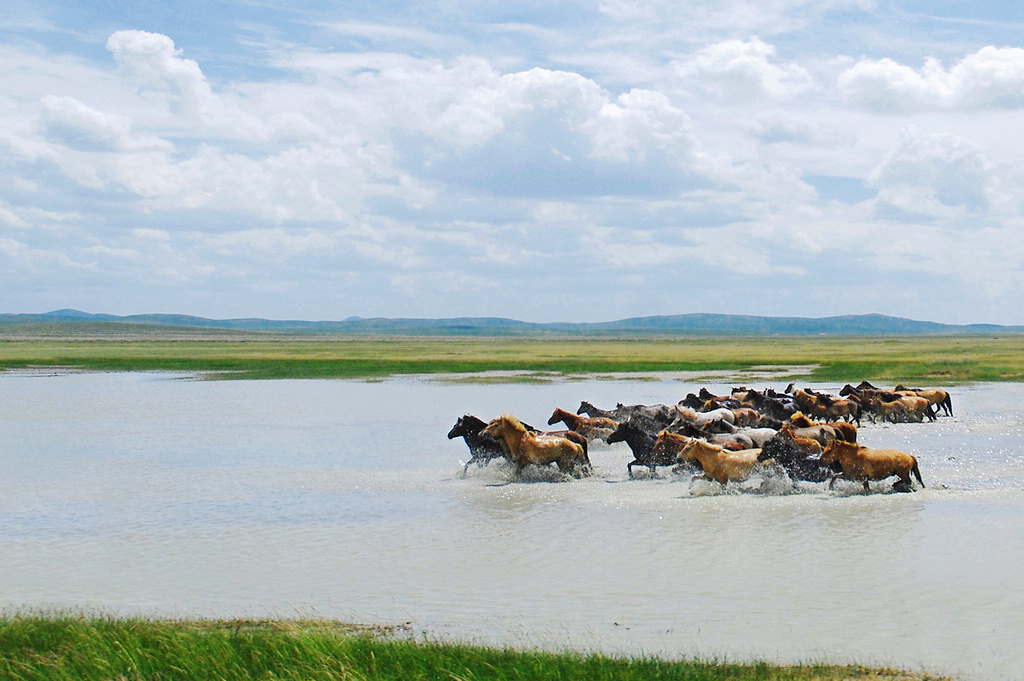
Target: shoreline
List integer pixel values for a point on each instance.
(941, 361)
(80, 646)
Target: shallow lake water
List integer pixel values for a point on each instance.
(160, 495)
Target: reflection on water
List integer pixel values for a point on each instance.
(148, 493)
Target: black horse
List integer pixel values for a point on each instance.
(640, 434)
(801, 460)
(482, 448)
(776, 406)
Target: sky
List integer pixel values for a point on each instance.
(575, 161)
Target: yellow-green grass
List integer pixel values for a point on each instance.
(933, 360)
(80, 648)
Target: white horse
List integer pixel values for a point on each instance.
(705, 420)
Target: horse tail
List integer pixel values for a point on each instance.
(947, 404)
(917, 472)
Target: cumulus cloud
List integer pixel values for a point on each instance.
(991, 77)
(381, 171)
(929, 174)
(744, 71)
(162, 74)
(79, 126)
(152, 60)
(638, 124)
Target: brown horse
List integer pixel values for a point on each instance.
(897, 408)
(592, 428)
(804, 427)
(823, 432)
(526, 447)
(936, 397)
(807, 401)
(837, 408)
(861, 463)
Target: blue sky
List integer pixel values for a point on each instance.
(576, 161)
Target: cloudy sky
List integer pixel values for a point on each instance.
(572, 161)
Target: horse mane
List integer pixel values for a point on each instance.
(800, 420)
(474, 420)
(704, 445)
(514, 422)
(843, 444)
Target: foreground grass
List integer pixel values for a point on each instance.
(72, 648)
(935, 360)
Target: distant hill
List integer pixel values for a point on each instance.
(670, 325)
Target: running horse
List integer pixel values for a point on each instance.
(640, 434)
(526, 447)
(481, 448)
(721, 465)
(590, 427)
(863, 464)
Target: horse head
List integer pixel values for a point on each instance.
(457, 429)
(501, 425)
(561, 415)
(620, 434)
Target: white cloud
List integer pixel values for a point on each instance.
(277, 242)
(779, 126)
(79, 126)
(164, 77)
(991, 77)
(646, 147)
(744, 71)
(935, 175)
(637, 124)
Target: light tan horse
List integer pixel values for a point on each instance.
(861, 463)
(721, 465)
(526, 447)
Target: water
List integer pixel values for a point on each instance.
(158, 495)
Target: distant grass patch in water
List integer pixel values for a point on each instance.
(934, 360)
(79, 648)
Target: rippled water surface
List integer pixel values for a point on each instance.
(159, 495)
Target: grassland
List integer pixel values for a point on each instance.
(79, 648)
(932, 360)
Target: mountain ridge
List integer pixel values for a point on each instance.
(655, 325)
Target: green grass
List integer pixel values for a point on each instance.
(81, 648)
(934, 360)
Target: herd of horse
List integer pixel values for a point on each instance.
(801, 434)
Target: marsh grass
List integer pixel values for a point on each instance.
(935, 360)
(88, 648)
